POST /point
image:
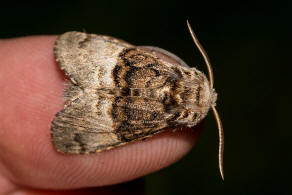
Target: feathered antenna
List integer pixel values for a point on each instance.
(211, 80)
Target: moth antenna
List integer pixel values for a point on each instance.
(203, 53)
(211, 80)
(221, 141)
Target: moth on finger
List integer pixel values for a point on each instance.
(121, 93)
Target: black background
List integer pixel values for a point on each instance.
(249, 46)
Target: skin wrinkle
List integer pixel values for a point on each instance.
(25, 121)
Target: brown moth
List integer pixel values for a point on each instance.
(121, 93)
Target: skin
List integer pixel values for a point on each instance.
(31, 86)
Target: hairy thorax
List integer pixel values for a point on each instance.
(186, 97)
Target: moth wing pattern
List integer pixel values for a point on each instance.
(83, 57)
(81, 127)
(137, 118)
(119, 93)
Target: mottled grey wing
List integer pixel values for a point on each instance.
(84, 126)
(88, 59)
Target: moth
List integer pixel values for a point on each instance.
(120, 93)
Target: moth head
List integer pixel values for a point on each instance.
(208, 96)
(197, 97)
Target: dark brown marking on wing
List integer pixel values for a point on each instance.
(137, 117)
(136, 92)
(77, 138)
(187, 73)
(186, 114)
(129, 74)
(137, 58)
(125, 91)
(115, 74)
(123, 54)
(186, 93)
(196, 73)
(83, 43)
(177, 71)
(172, 119)
(115, 108)
(195, 116)
(169, 102)
(137, 69)
(174, 85)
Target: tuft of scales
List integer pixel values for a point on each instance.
(121, 93)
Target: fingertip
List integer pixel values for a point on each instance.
(31, 93)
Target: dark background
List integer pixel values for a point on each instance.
(249, 45)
